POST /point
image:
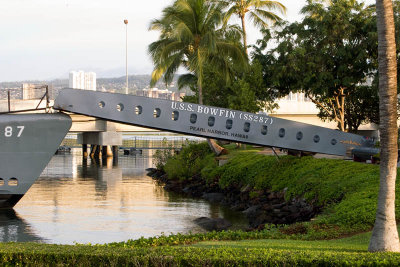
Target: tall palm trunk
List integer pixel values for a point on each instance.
(244, 34)
(384, 235)
(217, 149)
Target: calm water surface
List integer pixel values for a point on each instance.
(89, 202)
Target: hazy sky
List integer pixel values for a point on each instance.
(45, 39)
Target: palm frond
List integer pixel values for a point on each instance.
(187, 79)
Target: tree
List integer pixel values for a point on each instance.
(258, 11)
(329, 56)
(384, 235)
(191, 37)
(245, 91)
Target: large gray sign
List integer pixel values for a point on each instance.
(207, 121)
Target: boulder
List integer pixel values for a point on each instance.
(211, 224)
(213, 197)
(252, 211)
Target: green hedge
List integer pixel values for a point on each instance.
(57, 255)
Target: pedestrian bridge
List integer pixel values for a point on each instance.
(206, 121)
(80, 123)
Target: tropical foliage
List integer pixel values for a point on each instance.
(331, 56)
(192, 36)
(260, 13)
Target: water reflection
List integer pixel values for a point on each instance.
(15, 229)
(102, 201)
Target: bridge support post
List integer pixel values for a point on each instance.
(109, 151)
(93, 150)
(84, 151)
(103, 144)
(115, 152)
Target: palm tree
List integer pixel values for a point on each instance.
(384, 235)
(191, 37)
(258, 11)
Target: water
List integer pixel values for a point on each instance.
(73, 201)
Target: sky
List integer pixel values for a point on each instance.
(46, 39)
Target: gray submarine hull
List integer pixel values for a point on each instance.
(27, 143)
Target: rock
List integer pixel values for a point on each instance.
(252, 211)
(239, 207)
(278, 206)
(187, 189)
(211, 224)
(245, 189)
(173, 186)
(213, 197)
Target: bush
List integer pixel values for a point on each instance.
(190, 161)
(161, 157)
(20, 254)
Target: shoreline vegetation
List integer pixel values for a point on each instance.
(305, 197)
(340, 194)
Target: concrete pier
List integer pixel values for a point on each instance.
(103, 143)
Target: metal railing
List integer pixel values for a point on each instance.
(45, 97)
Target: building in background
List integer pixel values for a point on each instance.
(82, 80)
(160, 93)
(32, 91)
(298, 107)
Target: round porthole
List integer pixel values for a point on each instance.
(175, 115)
(138, 110)
(281, 132)
(120, 107)
(1, 181)
(229, 124)
(299, 136)
(211, 121)
(156, 112)
(246, 127)
(101, 104)
(333, 142)
(13, 181)
(316, 138)
(264, 130)
(193, 118)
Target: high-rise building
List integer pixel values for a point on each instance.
(163, 94)
(82, 80)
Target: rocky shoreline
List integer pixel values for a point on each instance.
(260, 207)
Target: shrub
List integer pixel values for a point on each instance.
(190, 161)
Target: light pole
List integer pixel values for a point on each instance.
(126, 54)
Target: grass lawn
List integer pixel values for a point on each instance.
(351, 251)
(357, 243)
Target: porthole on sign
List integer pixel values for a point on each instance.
(13, 181)
(299, 136)
(175, 115)
(193, 118)
(264, 130)
(211, 121)
(246, 127)
(156, 112)
(282, 132)
(120, 107)
(229, 124)
(138, 110)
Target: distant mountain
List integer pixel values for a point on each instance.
(116, 84)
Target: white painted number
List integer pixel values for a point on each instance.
(21, 129)
(8, 131)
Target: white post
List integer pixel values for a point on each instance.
(126, 55)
